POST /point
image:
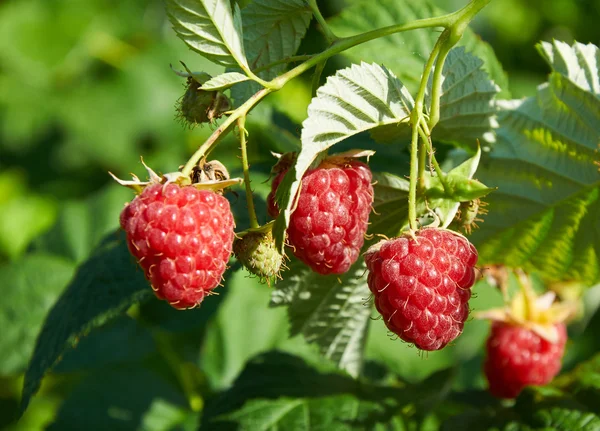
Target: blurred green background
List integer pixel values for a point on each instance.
(86, 88)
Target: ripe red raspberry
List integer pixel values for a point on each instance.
(518, 357)
(422, 287)
(327, 229)
(182, 238)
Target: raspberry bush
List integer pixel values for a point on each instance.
(407, 246)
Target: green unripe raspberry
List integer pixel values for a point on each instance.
(199, 106)
(257, 252)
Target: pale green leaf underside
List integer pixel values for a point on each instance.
(329, 311)
(210, 28)
(546, 212)
(579, 63)
(354, 100)
(224, 80)
(405, 53)
(273, 30)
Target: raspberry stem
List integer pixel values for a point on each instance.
(425, 133)
(246, 167)
(317, 77)
(331, 38)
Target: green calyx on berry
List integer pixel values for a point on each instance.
(466, 217)
(257, 252)
(537, 313)
(206, 176)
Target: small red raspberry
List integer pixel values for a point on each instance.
(518, 357)
(422, 286)
(327, 229)
(182, 238)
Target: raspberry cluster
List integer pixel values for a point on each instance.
(422, 285)
(327, 229)
(518, 357)
(182, 238)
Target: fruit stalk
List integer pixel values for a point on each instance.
(246, 167)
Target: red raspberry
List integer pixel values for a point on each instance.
(422, 287)
(182, 238)
(518, 357)
(327, 228)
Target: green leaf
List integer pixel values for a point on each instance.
(330, 311)
(273, 30)
(210, 28)
(32, 285)
(22, 219)
(467, 105)
(82, 224)
(224, 80)
(121, 399)
(545, 215)
(103, 287)
(241, 329)
(278, 391)
(562, 419)
(354, 100)
(579, 63)
(166, 416)
(405, 53)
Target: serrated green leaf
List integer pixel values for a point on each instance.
(546, 213)
(579, 63)
(223, 81)
(273, 30)
(467, 105)
(32, 285)
(405, 53)
(354, 100)
(210, 28)
(103, 287)
(330, 311)
(562, 419)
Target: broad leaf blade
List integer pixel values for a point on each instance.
(329, 311)
(32, 285)
(273, 30)
(210, 28)
(354, 100)
(241, 329)
(103, 287)
(546, 213)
